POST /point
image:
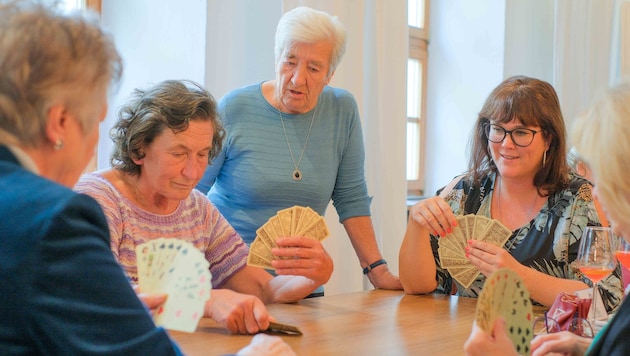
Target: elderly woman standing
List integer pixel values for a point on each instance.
(164, 138)
(295, 140)
(61, 290)
(519, 176)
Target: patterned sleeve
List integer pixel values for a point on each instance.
(224, 249)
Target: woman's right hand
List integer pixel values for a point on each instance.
(239, 313)
(565, 343)
(151, 300)
(434, 215)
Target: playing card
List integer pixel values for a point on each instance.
(467, 276)
(480, 224)
(452, 243)
(285, 217)
(469, 228)
(262, 251)
(294, 221)
(452, 247)
(496, 233)
(280, 328)
(178, 269)
(307, 218)
(504, 294)
(317, 229)
(447, 251)
(254, 259)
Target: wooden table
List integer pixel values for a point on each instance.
(375, 322)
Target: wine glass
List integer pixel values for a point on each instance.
(622, 251)
(596, 257)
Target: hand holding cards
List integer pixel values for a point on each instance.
(504, 295)
(452, 246)
(180, 270)
(295, 221)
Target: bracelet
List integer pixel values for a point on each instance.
(367, 269)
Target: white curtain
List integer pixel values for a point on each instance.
(374, 70)
(583, 52)
(620, 66)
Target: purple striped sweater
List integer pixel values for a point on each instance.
(196, 220)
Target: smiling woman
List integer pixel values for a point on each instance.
(519, 176)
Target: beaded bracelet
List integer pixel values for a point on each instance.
(367, 269)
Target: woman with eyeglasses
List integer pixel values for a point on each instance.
(600, 136)
(518, 174)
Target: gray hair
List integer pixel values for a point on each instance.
(306, 25)
(49, 57)
(171, 104)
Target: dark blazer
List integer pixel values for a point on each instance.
(61, 290)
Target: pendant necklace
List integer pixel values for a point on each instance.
(297, 174)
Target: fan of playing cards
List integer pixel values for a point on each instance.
(504, 294)
(295, 221)
(452, 246)
(180, 270)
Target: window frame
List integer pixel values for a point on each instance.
(418, 50)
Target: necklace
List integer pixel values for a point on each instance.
(529, 212)
(297, 174)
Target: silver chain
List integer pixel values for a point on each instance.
(297, 174)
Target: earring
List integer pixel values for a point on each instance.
(544, 158)
(58, 144)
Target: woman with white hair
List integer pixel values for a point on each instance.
(295, 140)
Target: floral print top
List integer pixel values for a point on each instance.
(548, 243)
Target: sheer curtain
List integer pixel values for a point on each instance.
(583, 52)
(374, 70)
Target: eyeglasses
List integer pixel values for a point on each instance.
(521, 137)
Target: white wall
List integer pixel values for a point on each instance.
(528, 39)
(158, 40)
(466, 61)
(239, 31)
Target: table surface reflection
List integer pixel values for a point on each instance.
(375, 322)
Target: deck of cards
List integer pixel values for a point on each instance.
(294, 221)
(179, 269)
(451, 248)
(504, 295)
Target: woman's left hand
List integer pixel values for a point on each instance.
(489, 258)
(302, 256)
(382, 278)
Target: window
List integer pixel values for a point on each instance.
(418, 22)
(80, 4)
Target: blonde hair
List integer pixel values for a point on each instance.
(600, 135)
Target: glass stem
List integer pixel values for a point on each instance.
(594, 305)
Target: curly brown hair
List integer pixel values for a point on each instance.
(171, 104)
